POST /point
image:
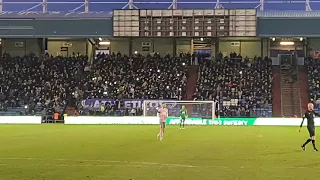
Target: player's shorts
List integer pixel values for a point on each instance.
(163, 124)
(311, 131)
(183, 119)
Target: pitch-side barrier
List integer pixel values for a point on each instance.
(189, 121)
(20, 119)
(155, 120)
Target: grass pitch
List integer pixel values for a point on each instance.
(124, 152)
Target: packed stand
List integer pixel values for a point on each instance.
(242, 86)
(31, 84)
(37, 83)
(314, 81)
(138, 77)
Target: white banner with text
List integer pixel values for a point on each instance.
(20, 119)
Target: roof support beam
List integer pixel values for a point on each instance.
(1, 5)
(86, 6)
(173, 5)
(130, 5)
(44, 6)
(218, 5)
(308, 7)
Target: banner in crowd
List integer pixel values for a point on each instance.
(95, 103)
(152, 106)
(128, 104)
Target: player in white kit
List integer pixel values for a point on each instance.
(163, 115)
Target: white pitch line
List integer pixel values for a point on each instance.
(138, 164)
(103, 161)
(92, 165)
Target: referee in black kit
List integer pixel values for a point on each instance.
(310, 115)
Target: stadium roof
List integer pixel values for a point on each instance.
(109, 5)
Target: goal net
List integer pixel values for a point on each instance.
(196, 109)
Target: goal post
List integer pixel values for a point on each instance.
(196, 109)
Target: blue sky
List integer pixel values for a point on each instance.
(297, 5)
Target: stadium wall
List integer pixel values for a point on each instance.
(55, 27)
(21, 47)
(77, 46)
(314, 45)
(288, 27)
(160, 45)
(120, 45)
(265, 47)
(247, 46)
(183, 45)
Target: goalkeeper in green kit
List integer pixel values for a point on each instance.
(183, 115)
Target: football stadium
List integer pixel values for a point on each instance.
(159, 89)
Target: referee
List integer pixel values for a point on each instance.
(310, 115)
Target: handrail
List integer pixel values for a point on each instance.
(299, 89)
(281, 93)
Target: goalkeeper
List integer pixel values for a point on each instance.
(183, 115)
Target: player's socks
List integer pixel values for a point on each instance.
(309, 140)
(314, 145)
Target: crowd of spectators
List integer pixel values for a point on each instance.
(138, 77)
(314, 81)
(32, 81)
(241, 85)
(57, 81)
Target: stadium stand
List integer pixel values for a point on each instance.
(138, 77)
(29, 84)
(314, 81)
(242, 86)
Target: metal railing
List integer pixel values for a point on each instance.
(84, 5)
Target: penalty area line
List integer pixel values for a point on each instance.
(124, 163)
(107, 163)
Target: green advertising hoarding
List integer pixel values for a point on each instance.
(216, 121)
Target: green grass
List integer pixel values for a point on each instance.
(124, 152)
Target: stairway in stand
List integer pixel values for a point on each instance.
(304, 87)
(290, 96)
(192, 81)
(276, 92)
(191, 85)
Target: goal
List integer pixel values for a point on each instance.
(196, 109)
